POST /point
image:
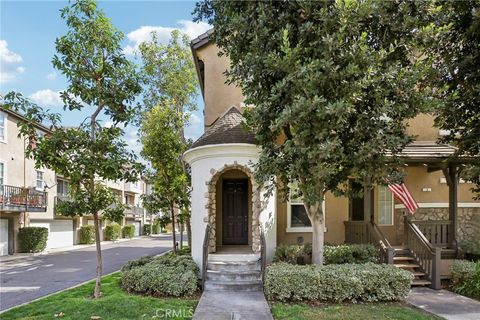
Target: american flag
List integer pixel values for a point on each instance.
(401, 192)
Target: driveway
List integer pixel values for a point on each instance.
(25, 279)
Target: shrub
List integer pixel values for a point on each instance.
(351, 253)
(128, 231)
(337, 283)
(333, 254)
(289, 253)
(155, 228)
(136, 263)
(167, 275)
(87, 234)
(466, 277)
(147, 229)
(113, 231)
(33, 239)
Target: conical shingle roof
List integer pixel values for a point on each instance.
(227, 129)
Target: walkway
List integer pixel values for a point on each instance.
(232, 305)
(445, 304)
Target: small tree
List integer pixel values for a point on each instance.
(332, 84)
(454, 45)
(104, 81)
(170, 82)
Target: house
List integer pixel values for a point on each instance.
(226, 198)
(28, 195)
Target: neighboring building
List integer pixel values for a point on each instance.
(28, 195)
(226, 197)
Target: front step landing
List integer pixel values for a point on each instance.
(403, 259)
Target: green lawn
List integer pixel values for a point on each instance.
(115, 304)
(373, 311)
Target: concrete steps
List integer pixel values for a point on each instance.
(233, 272)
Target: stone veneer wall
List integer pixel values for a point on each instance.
(468, 222)
(212, 208)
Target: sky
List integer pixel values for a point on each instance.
(28, 30)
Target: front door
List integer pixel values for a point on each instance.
(235, 212)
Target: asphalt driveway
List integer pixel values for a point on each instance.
(25, 279)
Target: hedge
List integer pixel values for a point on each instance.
(87, 234)
(147, 229)
(128, 231)
(466, 277)
(33, 239)
(167, 275)
(336, 283)
(113, 231)
(155, 228)
(333, 254)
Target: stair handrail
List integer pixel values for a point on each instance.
(263, 254)
(379, 240)
(205, 255)
(426, 255)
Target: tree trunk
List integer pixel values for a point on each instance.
(315, 213)
(97, 293)
(189, 232)
(181, 235)
(173, 230)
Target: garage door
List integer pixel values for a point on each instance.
(3, 237)
(60, 232)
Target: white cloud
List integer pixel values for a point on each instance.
(9, 60)
(144, 33)
(51, 76)
(194, 128)
(47, 97)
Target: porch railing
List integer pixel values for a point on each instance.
(427, 256)
(205, 255)
(437, 232)
(263, 254)
(134, 211)
(364, 232)
(22, 199)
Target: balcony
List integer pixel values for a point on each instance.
(22, 199)
(134, 211)
(133, 187)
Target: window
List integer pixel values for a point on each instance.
(39, 181)
(3, 126)
(297, 218)
(2, 174)
(62, 187)
(385, 206)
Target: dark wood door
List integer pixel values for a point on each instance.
(235, 212)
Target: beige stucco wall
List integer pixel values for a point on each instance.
(422, 127)
(218, 96)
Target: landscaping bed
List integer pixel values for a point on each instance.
(77, 303)
(370, 311)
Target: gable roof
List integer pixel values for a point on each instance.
(226, 129)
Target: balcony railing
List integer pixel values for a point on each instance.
(22, 199)
(134, 211)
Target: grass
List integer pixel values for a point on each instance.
(115, 304)
(371, 311)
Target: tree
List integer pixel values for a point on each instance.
(100, 79)
(170, 81)
(455, 47)
(159, 134)
(332, 84)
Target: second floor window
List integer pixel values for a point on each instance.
(62, 187)
(39, 181)
(3, 126)
(2, 174)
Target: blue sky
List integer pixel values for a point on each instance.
(28, 30)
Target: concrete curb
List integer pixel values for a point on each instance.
(72, 287)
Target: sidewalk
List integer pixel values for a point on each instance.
(17, 256)
(445, 304)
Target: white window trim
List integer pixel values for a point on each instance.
(43, 179)
(392, 210)
(291, 229)
(5, 175)
(5, 136)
